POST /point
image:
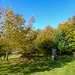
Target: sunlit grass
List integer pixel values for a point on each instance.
(14, 56)
(68, 69)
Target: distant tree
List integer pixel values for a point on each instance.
(44, 40)
(33, 36)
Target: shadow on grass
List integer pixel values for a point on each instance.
(40, 65)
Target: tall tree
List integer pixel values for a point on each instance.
(69, 29)
(11, 26)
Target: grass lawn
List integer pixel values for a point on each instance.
(64, 65)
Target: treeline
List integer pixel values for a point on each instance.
(16, 36)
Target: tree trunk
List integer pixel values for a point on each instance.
(4, 56)
(7, 52)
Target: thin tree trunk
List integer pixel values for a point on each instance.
(7, 52)
(4, 56)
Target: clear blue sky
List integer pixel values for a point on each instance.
(46, 12)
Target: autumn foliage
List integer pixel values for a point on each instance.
(44, 40)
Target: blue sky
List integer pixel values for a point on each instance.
(46, 12)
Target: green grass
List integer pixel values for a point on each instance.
(14, 56)
(64, 65)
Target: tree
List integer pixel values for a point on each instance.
(33, 36)
(64, 37)
(27, 38)
(11, 26)
(60, 41)
(44, 40)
